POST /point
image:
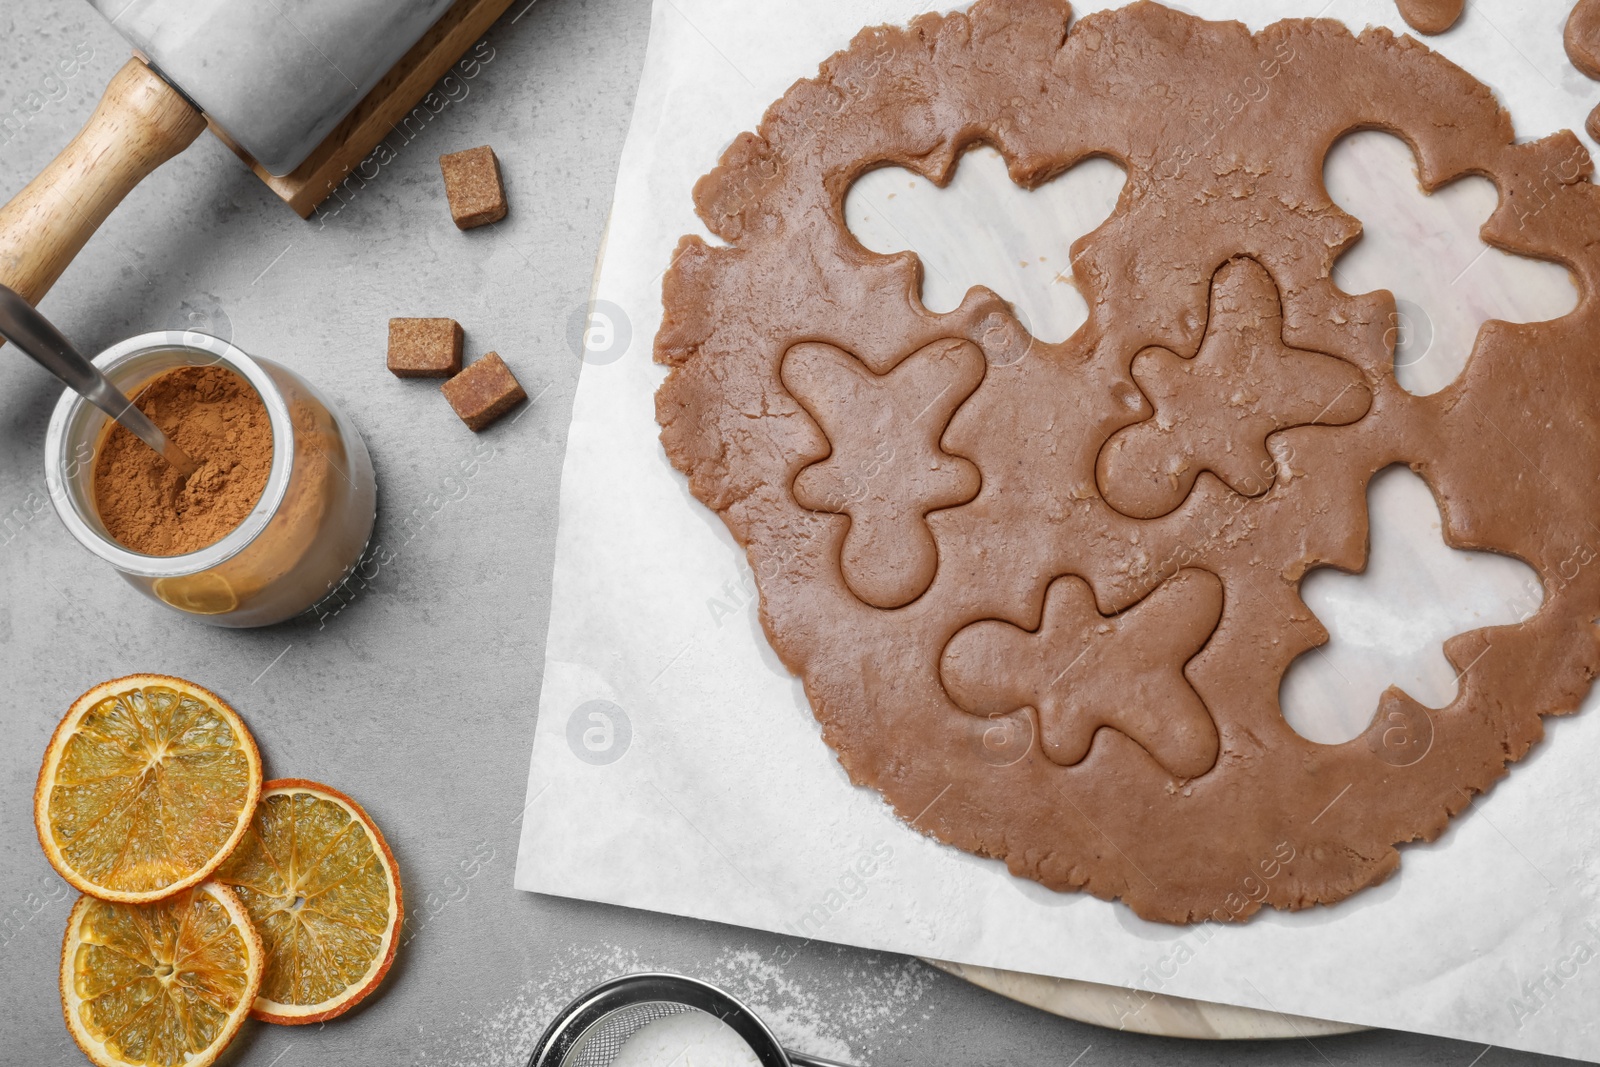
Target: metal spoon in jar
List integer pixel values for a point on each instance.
(23, 326)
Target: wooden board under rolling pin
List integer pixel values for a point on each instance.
(302, 90)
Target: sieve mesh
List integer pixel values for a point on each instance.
(599, 1045)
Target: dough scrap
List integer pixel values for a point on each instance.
(1431, 16)
(1223, 135)
(1582, 37)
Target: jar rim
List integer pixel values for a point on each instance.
(215, 351)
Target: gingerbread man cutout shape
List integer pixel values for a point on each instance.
(1214, 412)
(1082, 671)
(874, 423)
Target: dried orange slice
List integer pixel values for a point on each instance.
(322, 887)
(159, 985)
(147, 785)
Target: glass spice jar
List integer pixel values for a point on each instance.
(303, 537)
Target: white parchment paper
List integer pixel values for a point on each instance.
(677, 767)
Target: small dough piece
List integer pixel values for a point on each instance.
(472, 184)
(1593, 125)
(1583, 37)
(1214, 412)
(887, 469)
(1431, 16)
(483, 392)
(424, 348)
(1083, 671)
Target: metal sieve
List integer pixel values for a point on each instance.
(591, 1031)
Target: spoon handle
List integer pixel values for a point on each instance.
(802, 1059)
(25, 327)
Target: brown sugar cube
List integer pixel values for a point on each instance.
(472, 182)
(483, 392)
(424, 348)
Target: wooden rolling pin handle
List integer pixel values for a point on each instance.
(140, 123)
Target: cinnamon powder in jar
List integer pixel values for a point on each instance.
(217, 418)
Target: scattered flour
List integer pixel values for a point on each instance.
(505, 1036)
(860, 1015)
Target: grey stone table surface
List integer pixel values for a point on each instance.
(418, 695)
